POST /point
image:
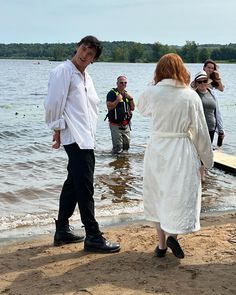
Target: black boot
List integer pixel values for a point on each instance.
(64, 234)
(97, 243)
(175, 247)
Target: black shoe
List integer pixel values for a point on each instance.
(99, 244)
(65, 235)
(160, 252)
(174, 245)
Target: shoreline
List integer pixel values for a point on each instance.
(32, 232)
(34, 266)
(22, 233)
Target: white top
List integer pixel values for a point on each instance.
(71, 105)
(179, 139)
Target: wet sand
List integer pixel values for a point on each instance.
(34, 266)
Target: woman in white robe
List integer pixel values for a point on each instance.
(179, 140)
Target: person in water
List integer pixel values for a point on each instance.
(213, 73)
(120, 105)
(202, 85)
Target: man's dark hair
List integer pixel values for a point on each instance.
(92, 42)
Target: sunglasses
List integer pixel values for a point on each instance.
(202, 81)
(123, 82)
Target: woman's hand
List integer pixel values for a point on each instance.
(216, 75)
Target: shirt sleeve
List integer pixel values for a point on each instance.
(111, 96)
(200, 134)
(55, 101)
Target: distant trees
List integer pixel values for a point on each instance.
(225, 53)
(203, 54)
(190, 52)
(123, 51)
(159, 49)
(120, 54)
(136, 52)
(37, 51)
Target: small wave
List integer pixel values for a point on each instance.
(14, 221)
(19, 196)
(9, 198)
(15, 134)
(35, 94)
(26, 135)
(7, 134)
(5, 106)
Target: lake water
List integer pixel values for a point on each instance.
(31, 173)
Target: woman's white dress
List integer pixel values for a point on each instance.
(179, 140)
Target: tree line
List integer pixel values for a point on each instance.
(122, 51)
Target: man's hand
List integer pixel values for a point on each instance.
(119, 97)
(56, 139)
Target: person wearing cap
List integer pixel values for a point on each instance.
(210, 104)
(213, 73)
(71, 108)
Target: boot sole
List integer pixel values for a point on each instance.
(97, 250)
(60, 243)
(175, 247)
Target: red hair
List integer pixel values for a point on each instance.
(171, 66)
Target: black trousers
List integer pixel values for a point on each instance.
(78, 188)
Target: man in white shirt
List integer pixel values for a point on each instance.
(71, 107)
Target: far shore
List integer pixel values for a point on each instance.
(118, 62)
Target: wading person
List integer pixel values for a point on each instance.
(71, 111)
(179, 140)
(202, 85)
(213, 73)
(120, 105)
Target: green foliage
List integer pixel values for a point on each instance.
(123, 51)
(158, 50)
(203, 54)
(120, 54)
(136, 52)
(190, 52)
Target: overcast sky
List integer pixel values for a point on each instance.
(171, 22)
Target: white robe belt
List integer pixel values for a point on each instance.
(170, 135)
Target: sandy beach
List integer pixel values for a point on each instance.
(34, 266)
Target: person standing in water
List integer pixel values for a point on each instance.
(120, 105)
(213, 73)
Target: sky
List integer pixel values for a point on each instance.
(171, 22)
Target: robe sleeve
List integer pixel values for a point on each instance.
(200, 134)
(144, 104)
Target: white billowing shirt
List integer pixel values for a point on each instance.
(71, 105)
